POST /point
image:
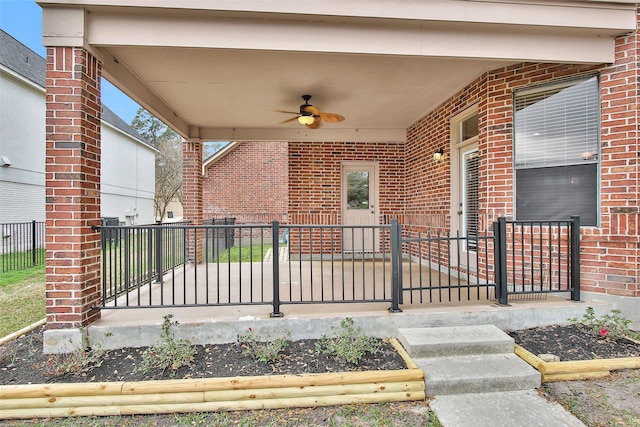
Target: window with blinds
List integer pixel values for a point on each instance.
(556, 141)
(472, 185)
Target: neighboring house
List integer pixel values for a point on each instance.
(529, 106)
(127, 177)
(174, 211)
(247, 181)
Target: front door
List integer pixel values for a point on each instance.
(465, 185)
(359, 205)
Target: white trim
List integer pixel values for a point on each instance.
(218, 155)
(22, 79)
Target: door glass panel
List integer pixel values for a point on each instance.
(358, 190)
(469, 128)
(471, 198)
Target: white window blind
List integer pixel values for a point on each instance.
(472, 185)
(557, 125)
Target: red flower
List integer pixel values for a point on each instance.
(251, 330)
(603, 332)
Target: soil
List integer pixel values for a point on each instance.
(22, 362)
(573, 342)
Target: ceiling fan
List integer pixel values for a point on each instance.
(310, 116)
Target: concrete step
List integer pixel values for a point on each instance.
(501, 409)
(455, 341)
(477, 374)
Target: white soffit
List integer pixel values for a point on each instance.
(218, 70)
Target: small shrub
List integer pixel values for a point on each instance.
(262, 351)
(168, 353)
(348, 343)
(78, 361)
(611, 326)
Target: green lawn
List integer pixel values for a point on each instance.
(22, 299)
(255, 253)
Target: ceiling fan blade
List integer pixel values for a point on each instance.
(331, 117)
(290, 120)
(288, 112)
(311, 109)
(315, 124)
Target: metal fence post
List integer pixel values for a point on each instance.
(275, 260)
(159, 260)
(575, 258)
(396, 257)
(33, 242)
(500, 259)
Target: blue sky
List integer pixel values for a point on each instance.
(22, 19)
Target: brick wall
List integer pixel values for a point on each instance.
(610, 252)
(250, 181)
(72, 187)
(315, 182)
(314, 178)
(192, 194)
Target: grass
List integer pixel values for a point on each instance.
(14, 261)
(370, 415)
(22, 298)
(254, 253)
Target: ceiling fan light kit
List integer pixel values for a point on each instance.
(306, 119)
(310, 116)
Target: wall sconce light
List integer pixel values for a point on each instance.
(306, 119)
(438, 156)
(5, 162)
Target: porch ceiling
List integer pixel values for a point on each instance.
(218, 70)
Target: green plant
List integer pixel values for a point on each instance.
(168, 353)
(611, 326)
(262, 351)
(79, 360)
(348, 342)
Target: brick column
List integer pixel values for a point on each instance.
(72, 190)
(192, 193)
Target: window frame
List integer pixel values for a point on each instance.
(547, 86)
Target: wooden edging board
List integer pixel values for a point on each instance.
(576, 369)
(212, 394)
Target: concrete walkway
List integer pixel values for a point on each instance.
(501, 409)
(478, 381)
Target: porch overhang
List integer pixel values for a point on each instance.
(219, 70)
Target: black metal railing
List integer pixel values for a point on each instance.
(133, 256)
(22, 245)
(285, 264)
(537, 257)
(456, 267)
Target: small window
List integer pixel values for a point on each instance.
(556, 141)
(469, 128)
(169, 214)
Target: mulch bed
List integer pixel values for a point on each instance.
(573, 342)
(22, 362)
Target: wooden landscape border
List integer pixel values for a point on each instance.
(576, 369)
(213, 394)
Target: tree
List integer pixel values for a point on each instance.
(210, 148)
(168, 160)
